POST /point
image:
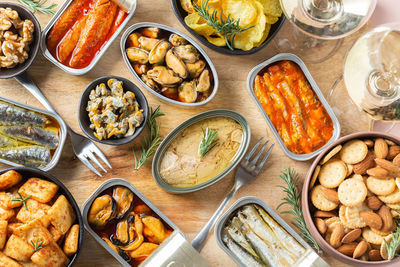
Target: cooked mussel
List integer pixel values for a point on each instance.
(103, 210)
(137, 55)
(163, 76)
(147, 43)
(157, 54)
(124, 198)
(149, 82)
(177, 40)
(176, 64)
(154, 229)
(188, 53)
(196, 68)
(187, 92)
(203, 84)
(121, 237)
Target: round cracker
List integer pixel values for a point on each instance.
(331, 154)
(380, 232)
(372, 237)
(352, 218)
(353, 151)
(349, 170)
(381, 187)
(397, 181)
(395, 206)
(314, 176)
(319, 201)
(352, 192)
(392, 198)
(332, 173)
(342, 217)
(383, 250)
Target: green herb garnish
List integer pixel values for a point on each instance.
(151, 142)
(37, 245)
(293, 199)
(227, 28)
(394, 244)
(21, 199)
(38, 5)
(208, 142)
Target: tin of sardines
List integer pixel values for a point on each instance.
(29, 136)
(252, 234)
(135, 231)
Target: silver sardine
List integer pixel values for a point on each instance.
(10, 114)
(233, 230)
(31, 156)
(32, 134)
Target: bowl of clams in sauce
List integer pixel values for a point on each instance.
(169, 64)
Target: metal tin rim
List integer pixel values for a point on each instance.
(136, 26)
(172, 135)
(63, 134)
(219, 225)
(105, 185)
(250, 84)
(96, 58)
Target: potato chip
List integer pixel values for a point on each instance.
(271, 19)
(265, 35)
(271, 7)
(194, 21)
(245, 11)
(187, 6)
(216, 39)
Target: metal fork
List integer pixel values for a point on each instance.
(246, 173)
(83, 148)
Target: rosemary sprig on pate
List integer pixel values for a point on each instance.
(151, 142)
(227, 28)
(208, 142)
(293, 199)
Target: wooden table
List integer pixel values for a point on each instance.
(190, 211)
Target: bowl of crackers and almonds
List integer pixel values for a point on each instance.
(351, 199)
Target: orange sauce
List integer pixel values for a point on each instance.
(293, 107)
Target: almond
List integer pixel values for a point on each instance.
(387, 165)
(393, 152)
(396, 160)
(371, 219)
(363, 166)
(331, 195)
(348, 249)
(369, 143)
(387, 218)
(374, 203)
(337, 235)
(378, 172)
(381, 148)
(374, 255)
(325, 214)
(351, 236)
(360, 249)
(321, 225)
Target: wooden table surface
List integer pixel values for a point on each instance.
(190, 211)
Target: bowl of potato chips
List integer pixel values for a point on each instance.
(236, 27)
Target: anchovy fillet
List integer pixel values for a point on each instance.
(10, 114)
(32, 156)
(32, 134)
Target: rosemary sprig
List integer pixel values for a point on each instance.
(227, 28)
(37, 245)
(208, 142)
(394, 244)
(293, 199)
(21, 199)
(150, 142)
(38, 5)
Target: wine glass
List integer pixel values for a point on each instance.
(371, 79)
(318, 26)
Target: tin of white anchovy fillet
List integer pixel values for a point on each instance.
(250, 87)
(308, 259)
(174, 251)
(43, 46)
(62, 135)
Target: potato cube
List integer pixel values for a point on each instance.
(6, 200)
(61, 214)
(39, 189)
(18, 249)
(6, 214)
(50, 256)
(55, 233)
(3, 233)
(71, 240)
(28, 264)
(9, 179)
(34, 231)
(7, 261)
(36, 210)
(11, 227)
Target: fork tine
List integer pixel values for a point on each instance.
(253, 149)
(254, 161)
(265, 158)
(100, 154)
(95, 160)
(90, 166)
